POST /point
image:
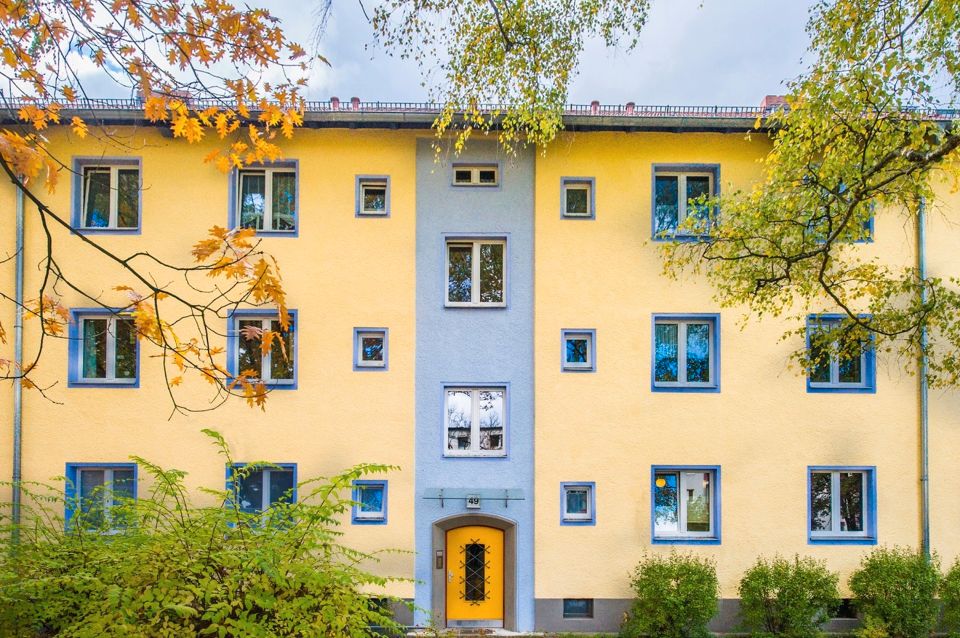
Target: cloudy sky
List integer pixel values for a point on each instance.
(729, 52)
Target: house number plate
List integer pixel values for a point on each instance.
(473, 502)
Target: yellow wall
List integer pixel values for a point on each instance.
(762, 428)
(342, 272)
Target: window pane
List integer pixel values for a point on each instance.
(666, 352)
(821, 514)
(820, 360)
(252, 199)
(281, 486)
(491, 419)
(698, 186)
(91, 494)
(284, 201)
(488, 176)
(458, 279)
(850, 368)
(96, 198)
(577, 350)
(374, 198)
(696, 487)
(371, 348)
(578, 200)
(281, 356)
(462, 176)
(474, 576)
(459, 419)
(123, 485)
(666, 512)
(578, 608)
(371, 498)
(491, 273)
(698, 352)
(128, 198)
(851, 502)
(126, 349)
(249, 358)
(94, 348)
(666, 205)
(577, 500)
(250, 492)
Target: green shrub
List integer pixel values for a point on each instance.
(675, 597)
(790, 598)
(896, 588)
(171, 568)
(950, 598)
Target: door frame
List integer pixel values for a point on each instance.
(439, 578)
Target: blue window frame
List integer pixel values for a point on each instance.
(841, 505)
(673, 216)
(370, 349)
(578, 198)
(578, 350)
(370, 503)
(372, 196)
(685, 504)
(831, 371)
(578, 503)
(265, 197)
(103, 349)
(93, 489)
(258, 486)
(107, 195)
(685, 353)
(246, 328)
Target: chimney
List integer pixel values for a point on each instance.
(630, 108)
(595, 107)
(773, 102)
(335, 103)
(355, 103)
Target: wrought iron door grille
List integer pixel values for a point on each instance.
(474, 565)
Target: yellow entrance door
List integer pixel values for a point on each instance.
(475, 573)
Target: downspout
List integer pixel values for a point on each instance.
(924, 364)
(17, 381)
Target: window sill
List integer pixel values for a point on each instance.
(685, 540)
(583, 369)
(685, 388)
(493, 306)
(103, 383)
(475, 455)
(578, 521)
(369, 521)
(681, 238)
(106, 231)
(840, 540)
(590, 217)
(375, 214)
(839, 389)
(271, 233)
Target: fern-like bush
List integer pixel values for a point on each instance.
(161, 565)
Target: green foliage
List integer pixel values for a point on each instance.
(790, 598)
(895, 589)
(675, 597)
(950, 599)
(163, 566)
(860, 139)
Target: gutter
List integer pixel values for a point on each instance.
(18, 380)
(923, 388)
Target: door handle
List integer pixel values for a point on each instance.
(449, 576)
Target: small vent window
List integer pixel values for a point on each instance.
(482, 175)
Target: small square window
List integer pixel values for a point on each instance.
(842, 505)
(476, 272)
(834, 368)
(370, 348)
(578, 350)
(677, 209)
(107, 195)
(578, 607)
(266, 199)
(686, 353)
(257, 488)
(277, 367)
(577, 198)
(475, 175)
(475, 421)
(578, 503)
(373, 196)
(94, 490)
(370, 502)
(104, 349)
(685, 504)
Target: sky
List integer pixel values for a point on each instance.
(729, 52)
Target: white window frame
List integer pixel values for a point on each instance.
(682, 324)
(835, 505)
(361, 363)
(475, 245)
(268, 174)
(578, 335)
(474, 421)
(834, 382)
(361, 515)
(682, 199)
(578, 517)
(114, 170)
(265, 484)
(581, 185)
(111, 351)
(266, 359)
(371, 182)
(682, 533)
(107, 491)
(475, 170)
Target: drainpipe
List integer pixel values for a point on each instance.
(18, 361)
(924, 434)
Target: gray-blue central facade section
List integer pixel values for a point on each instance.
(477, 346)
